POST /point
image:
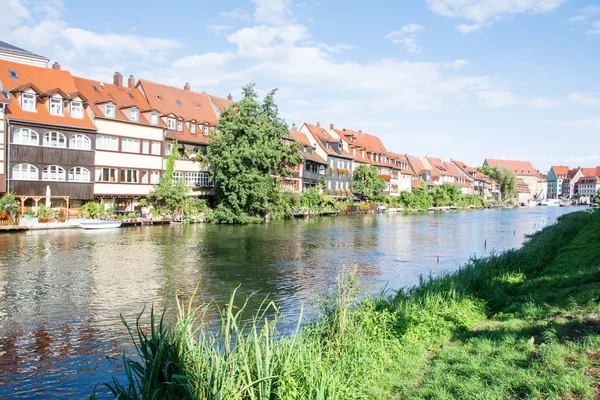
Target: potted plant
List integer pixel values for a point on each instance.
(9, 205)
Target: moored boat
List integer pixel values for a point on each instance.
(550, 203)
(100, 224)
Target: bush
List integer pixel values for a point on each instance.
(89, 210)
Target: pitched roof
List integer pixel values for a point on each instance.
(402, 159)
(183, 103)
(323, 137)
(438, 168)
(453, 170)
(309, 155)
(14, 49)
(591, 171)
(521, 168)
(98, 93)
(416, 164)
(560, 169)
(42, 79)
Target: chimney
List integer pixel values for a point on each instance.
(118, 80)
(187, 87)
(131, 81)
(318, 124)
(56, 65)
(294, 127)
(229, 97)
(360, 130)
(331, 126)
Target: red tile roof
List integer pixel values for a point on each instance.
(453, 170)
(123, 98)
(591, 171)
(521, 168)
(416, 164)
(45, 81)
(309, 155)
(323, 136)
(560, 170)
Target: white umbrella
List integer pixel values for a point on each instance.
(48, 194)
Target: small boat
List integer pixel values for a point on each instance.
(100, 224)
(550, 203)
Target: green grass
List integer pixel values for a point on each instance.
(521, 324)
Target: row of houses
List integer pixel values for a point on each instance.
(72, 140)
(567, 183)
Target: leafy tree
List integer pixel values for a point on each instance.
(485, 170)
(446, 195)
(366, 181)
(248, 156)
(170, 196)
(507, 180)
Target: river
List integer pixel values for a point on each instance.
(61, 292)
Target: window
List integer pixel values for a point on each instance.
(205, 130)
(192, 128)
(54, 173)
(77, 109)
(28, 102)
(130, 145)
(155, 177)
(178, 102)
(106, 175)
(145, 176)
(13, 74)
(109, 110)
(26, 136)
(25, 172)
(197, 179)
(80, 142)
(133, 115)
(169, 149)
(56, 106)
(79, 174)
(177, 177)
(156, 148)
(179, 126)
(107, 143)
(145, 147)
(130, 176)
(54, 139)
(154, 118)
(171, 123)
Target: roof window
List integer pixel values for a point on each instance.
(13, 74)
(178, 102)
(158, 97)
(95, 88)
(130, 95)
(197, 105)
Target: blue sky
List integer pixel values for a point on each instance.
(461, 79)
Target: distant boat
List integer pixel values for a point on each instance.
(100, 224)
(550, 203)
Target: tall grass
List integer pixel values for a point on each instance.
(390, 346)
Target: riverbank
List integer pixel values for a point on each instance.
(522, 324)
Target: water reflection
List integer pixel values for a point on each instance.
(61, 292)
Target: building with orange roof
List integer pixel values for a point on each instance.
(588, 186)
(402, 171)
(482, 184)
(51, 137)
(129, 143)
(461, 179)
(538, 187)
(314, 167)
(438, 170)
(339, 160)
(189, 117)
(11, 53)
(555, 179)
(421, 174)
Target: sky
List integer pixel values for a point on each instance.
(456, 79)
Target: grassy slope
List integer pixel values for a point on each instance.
(522, 324)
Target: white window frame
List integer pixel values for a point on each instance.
(56, 106)
(80, 142)
(179, 126)
(145, 147)
(171, 124)
(28, 139)
(144, 176)
(192, 128)
(109, 110)
(130, 175)
(28, 101)
(169, 149)
(79, 174)
(25, 172)
(110, 143)
(199, 179)
(133, 114)
(114, 172)
(154, 118)
(177, 176)
(205, 130)
(77, 109)
(54, 173)
(154, 177)
(155, 148)
(54, 139)
(130, 145)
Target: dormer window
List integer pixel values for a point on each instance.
(109, 110)
(76, 109)
(205, 130)
(28, 102)
(154, 118)
(179, 126)
(171, 123)
(56, 106)
(133, 114)
(305, 149)
(192, 128)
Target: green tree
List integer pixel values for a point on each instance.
(248, 157)
(485, 170)
(507, 180)
(366, 181)
(168, 195)
(9, 205)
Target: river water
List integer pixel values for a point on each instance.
(61, 292)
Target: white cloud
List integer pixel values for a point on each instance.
(235, 14)
(596, 28)
(484, 12)
(585, 13)
(406, 36)
(457, 64)
(586, 99)
(338, 48)
(272, 12)
(504, 98)
(219, 29)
